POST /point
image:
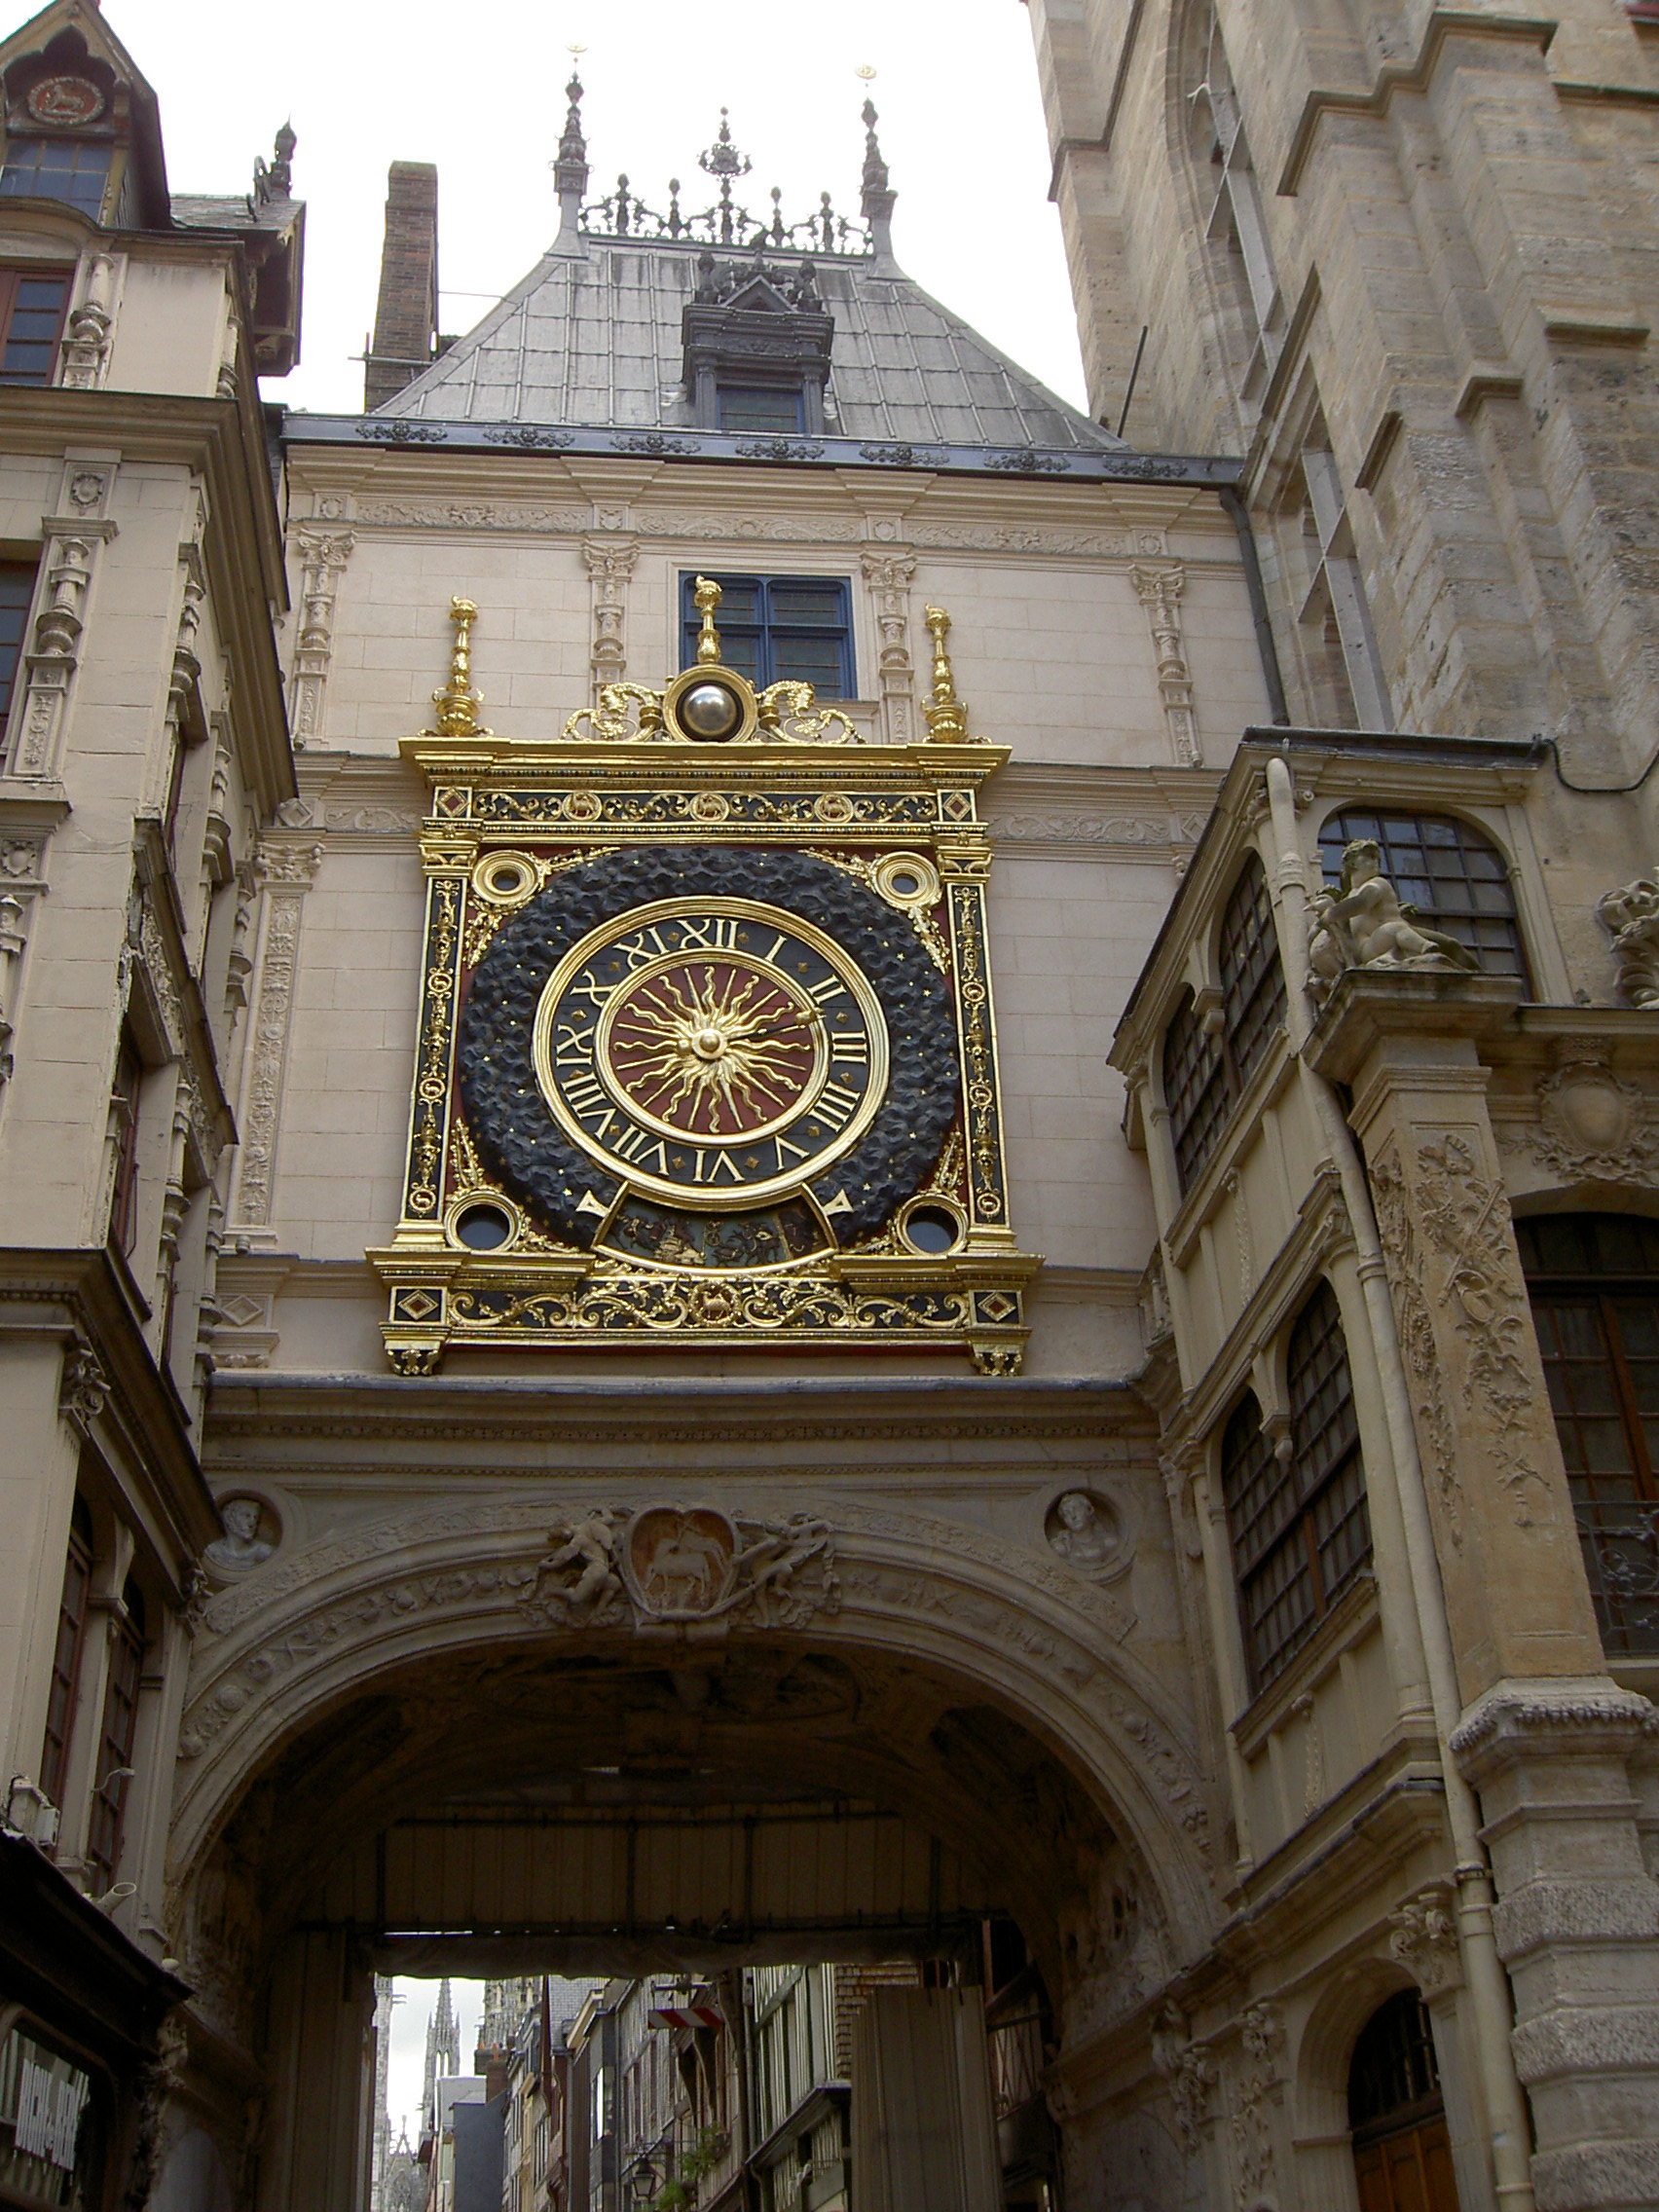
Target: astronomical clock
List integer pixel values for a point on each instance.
(707, 1053)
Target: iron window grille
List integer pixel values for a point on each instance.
(1455, 879)
(16, 590)
(118, 1734)
(1299, 1521)
(72, 170)
(777, 627)
(1594, 1282)
(1204, 1075)
(32, 304)
(67, 1653)
(763, 408)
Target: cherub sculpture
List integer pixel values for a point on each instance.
(1362, 924)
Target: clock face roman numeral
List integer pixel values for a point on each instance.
(728, 1051)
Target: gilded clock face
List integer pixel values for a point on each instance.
(692, 1050)
(713, 1049)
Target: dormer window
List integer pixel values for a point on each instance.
(758, 408)
(757, 341)
(71, 170)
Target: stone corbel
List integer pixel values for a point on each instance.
(323, 556)
(1159, 585)
(83, 1388)
(1424, 1940)
(609, 566)
(888, 575)
(1189, 2070)
(86, 350)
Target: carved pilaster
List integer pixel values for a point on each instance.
(21, 862)
(322, 555)
(889, 575)
(1158, 587)
(1517, 1601)
(610, 565)
(84, 360)
(286, 873)
(1257, 2075)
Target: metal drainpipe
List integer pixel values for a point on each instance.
(1483, 1969)
(732, 1995)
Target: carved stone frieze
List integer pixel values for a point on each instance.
(471, 515)
(684, 1568)
(323, 556)
(725, 526)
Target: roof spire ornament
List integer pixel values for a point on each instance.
(875, 200)
(570, 168)
(724, 160)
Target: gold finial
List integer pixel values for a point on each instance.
(947, 715)
(457, 704)
(706, 596)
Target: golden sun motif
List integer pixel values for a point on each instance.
(713, 1049)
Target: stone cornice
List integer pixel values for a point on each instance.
(378, 1409)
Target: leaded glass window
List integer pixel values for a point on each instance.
(1594, 1280)
(1451, 877)
(1298, 1520)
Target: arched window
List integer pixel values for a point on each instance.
(1195, 1089)
(1402, 2156)
(1594, 1280)
(1298, 1520)
(1252, 981)
(1204, 1076)
(67, 1653)
(1453, 878)
(120, 1729)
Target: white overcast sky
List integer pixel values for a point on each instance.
(478, 88)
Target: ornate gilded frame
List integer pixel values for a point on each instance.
(506, 815)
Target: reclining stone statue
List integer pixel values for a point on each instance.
(1362, 924)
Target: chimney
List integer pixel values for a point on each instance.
(406, 314)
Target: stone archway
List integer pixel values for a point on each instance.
(378, 1720)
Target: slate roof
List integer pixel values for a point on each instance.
(592, 339)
